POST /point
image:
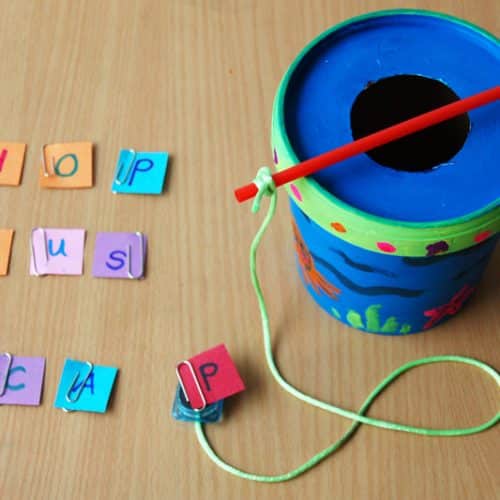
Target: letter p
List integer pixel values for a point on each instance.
(208, 370)
(136, 168)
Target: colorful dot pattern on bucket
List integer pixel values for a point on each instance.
(406, 242)
(436, 248)
(386, 247)
(482, 236)
(296, 192)
(275, 157)
(338, 227)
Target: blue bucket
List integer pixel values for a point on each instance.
(394, 241)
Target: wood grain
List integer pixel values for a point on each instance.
(197, 78)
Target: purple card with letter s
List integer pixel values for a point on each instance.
(120, 255)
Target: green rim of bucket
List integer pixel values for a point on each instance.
(361, 228)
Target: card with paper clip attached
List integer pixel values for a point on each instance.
(6, 237)
(120, 255)
(85, 386)
(56, 251)
(140, 172)
(67, 166)
(209, 377)
(21, 380)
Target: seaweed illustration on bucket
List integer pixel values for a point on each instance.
(371, 321)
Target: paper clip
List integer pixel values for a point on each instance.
(68, 397)
(118, 179)
(33, 251)
(3, 387)
(196, 383)
(129, 258)
(46, 172)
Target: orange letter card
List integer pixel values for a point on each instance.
(11, 163)
(67, 166)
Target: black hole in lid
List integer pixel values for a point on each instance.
(397, 98)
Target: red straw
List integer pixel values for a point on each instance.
(375, 140)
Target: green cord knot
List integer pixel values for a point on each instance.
(265, 185)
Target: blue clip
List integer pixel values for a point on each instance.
(181, 410)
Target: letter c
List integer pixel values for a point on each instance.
(18, 387)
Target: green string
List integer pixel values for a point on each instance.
(266, 186)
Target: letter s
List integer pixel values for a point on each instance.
(118, 256)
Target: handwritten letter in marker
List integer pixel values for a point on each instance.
(24, 380)
(56, 251)
(216, 376)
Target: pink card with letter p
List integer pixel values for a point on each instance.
(216, 376)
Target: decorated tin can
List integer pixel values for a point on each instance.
(394, 241)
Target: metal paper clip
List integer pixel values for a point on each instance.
(3, 387)
(196, 383)
(33, 251)
(118, 179)
(46, 172)
(129, 258)
(68, 397)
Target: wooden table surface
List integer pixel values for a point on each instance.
(197, 78)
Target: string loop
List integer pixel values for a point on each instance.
(266, 186)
